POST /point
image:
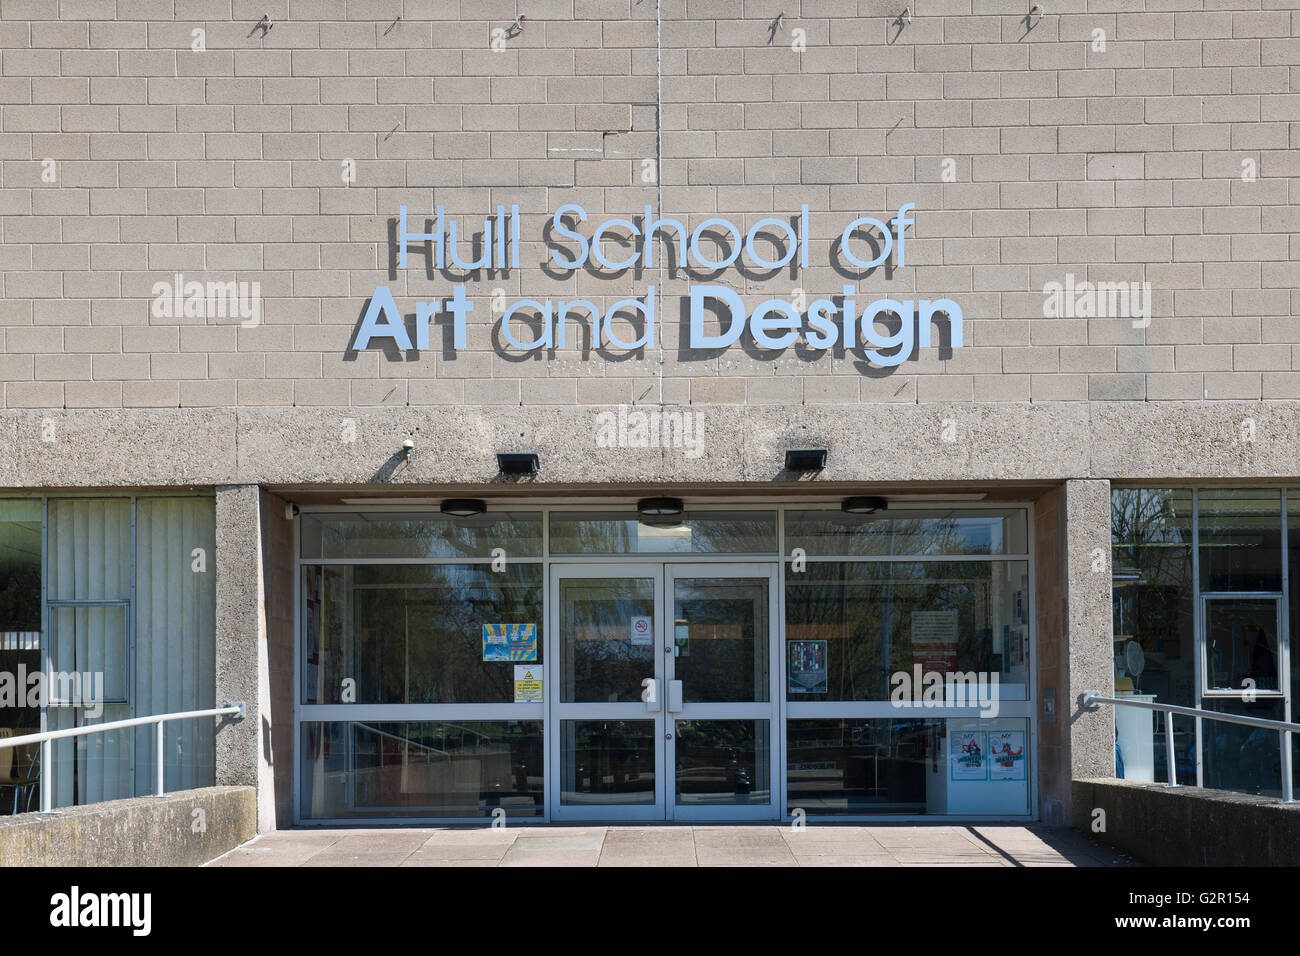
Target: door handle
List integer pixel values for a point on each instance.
(674, 696)
(650, 694)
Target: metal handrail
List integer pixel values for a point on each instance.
(234, 709)
(1092, 699)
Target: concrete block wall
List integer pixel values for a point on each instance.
(127, 156)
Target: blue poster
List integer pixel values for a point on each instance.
(509, 642)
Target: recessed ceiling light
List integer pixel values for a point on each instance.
(863, 505)
(463, 507)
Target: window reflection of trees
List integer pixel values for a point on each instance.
(830, 533)
(1151, 550)
(413, 633)
(356, 535)
(598, 660)
(742, 532)
(865, 611)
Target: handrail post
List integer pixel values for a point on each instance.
(1169, 750)
(47, 772)
(1287, 794)
(159, 788)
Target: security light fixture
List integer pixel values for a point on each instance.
(805, 459)
(513, 463)
(863, 505)
(659, 507)
(463, 507)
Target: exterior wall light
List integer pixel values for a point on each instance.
(805, 459)
(864, 505)
(512, 463)
(463, 507)
(659, 507)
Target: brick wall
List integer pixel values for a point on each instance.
(229, 164)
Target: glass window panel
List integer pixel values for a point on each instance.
(720, 639)
(1241, 539)
(1152, 590)
(421, 769)
(831, 533)
(723, 762)
(1293, 570)
(88, 655)
(861, 766)
(607, 762)
(90, 549)
(20, 647)
(1241, 644)
(397, 536)
(1240, 758)
(601, 658)
(851, 627)
(414, 634)
(737, 532)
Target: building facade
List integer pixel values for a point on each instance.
(278, 293)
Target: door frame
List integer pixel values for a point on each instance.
(558, 711)
(772, 710)
(664, 572)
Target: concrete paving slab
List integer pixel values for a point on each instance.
(639, 845)
(527, 843)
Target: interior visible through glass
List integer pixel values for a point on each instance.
(356, 769)
(607, 762)
(720, 639)
(606, 638)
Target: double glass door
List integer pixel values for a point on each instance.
(665, 692)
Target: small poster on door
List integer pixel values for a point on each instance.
(1007, 755)
(509, 642)
(528, 684)
(968, 755)
(643, 632)
(806, 667)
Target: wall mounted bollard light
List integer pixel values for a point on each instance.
(518, 463)
(463, 507)
(408, 447)
(805, 459)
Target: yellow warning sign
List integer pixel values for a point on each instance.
(528, 684)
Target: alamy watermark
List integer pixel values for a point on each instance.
(652, 427)
(1100, 300)
(24, 688)
(922, 688)
(208, 300)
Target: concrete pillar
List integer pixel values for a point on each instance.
(1072, 570)
(1089, 626)
(243, 747)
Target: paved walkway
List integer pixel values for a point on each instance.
(678, 846)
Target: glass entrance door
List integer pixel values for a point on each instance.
(607, 727)
(722, 662)
(665, 692)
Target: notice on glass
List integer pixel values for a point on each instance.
(968, 754)
(509, 642)
(934, 640)
(806, 667)
(1007, 755)
(643, 632)
(528, 684)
